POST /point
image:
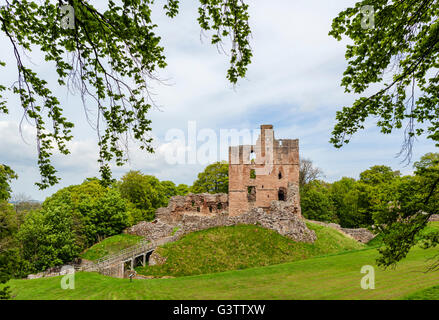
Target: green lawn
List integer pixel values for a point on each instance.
(110, 245)
(425, 294)
(241, 247)
(329, 277)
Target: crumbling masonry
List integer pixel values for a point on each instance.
(263, 189)
(261, 173)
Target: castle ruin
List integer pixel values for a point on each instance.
(263, 189)
(262, 173)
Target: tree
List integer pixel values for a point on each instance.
(308, 173)
(96, 211)
(344, 198)
(109, 56)
(377, 175)
(213, 179)
(23, 203)
(182, 189)
(8, 225)
(6, 175)
(403, 45)
(145, 192)
(47, 238)
(315, 201)
(169, 188)
(403, 209)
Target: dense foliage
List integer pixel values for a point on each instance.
(213, 179)
(347, 201)
(403, 209)
(8, 226)
(71, 220)
(147, 193)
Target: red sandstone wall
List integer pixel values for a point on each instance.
(285, 161)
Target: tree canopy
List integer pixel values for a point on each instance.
(6, 175)
(396, 56)
(213, 179)
(8, 226)
(108, 56)
(403, 208)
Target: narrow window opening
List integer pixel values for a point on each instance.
(252, 157)
(281, 195)
(251, 195)
(252, 174)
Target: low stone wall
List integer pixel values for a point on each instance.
(360, 234)
(55, 271)
(200, 204)
(434, 217)
(283, 221)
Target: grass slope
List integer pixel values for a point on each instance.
(110, 245)
(425, 294)
(241, 247)
(329, 277)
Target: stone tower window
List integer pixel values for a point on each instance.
(280, 175)
(281, 194)
(252, 174)
(251, 195)
(252, 157)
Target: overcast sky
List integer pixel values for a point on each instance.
(292, 83)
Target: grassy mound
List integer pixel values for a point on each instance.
(110, 245)
(335, 276)
(240, 247)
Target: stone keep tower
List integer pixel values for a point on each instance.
(261, 173)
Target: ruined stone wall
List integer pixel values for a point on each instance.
(261, 173)
(277, 217)
(360, 234)
(201, 204)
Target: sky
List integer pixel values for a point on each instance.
(292, 83)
